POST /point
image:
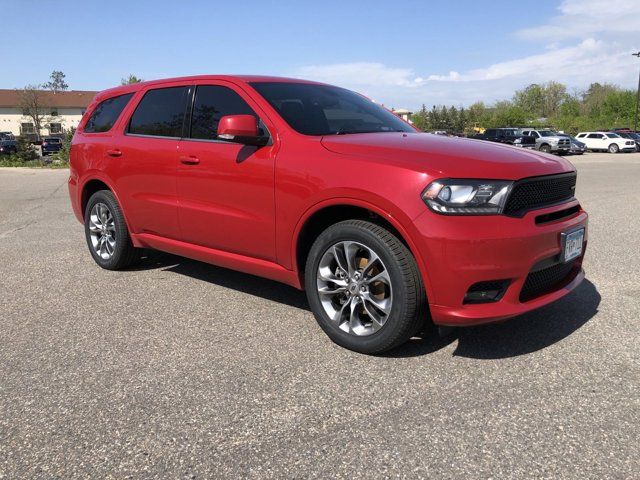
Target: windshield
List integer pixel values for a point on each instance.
(325, 110)
(613, 135)
(548, 133)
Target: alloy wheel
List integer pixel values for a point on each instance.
(102, 230)
(354, 287)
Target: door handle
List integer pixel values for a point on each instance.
(114, 153)
(190, 160)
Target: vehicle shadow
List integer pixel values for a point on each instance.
(518, 336)
(243, 282)
(532, 331)
(521, 335)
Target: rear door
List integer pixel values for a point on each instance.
(595, 141)
(146, 155)
(226, 190)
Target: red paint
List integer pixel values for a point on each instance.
(243, 206)
(238, 125)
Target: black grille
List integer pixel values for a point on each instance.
(548, 279)
(537, 192)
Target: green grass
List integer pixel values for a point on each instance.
(15, 161)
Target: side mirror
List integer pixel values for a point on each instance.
(241, 129)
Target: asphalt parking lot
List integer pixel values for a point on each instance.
(179, 369)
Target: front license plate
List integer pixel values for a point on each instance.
(572, 245)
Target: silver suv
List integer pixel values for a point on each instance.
(549, 141)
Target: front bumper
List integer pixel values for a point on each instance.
(460, 251)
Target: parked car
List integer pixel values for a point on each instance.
(8, 146)
(549, 141)
(509, 136)
(577, 147)
(7, 136)
(389, 230)
(606, 141)
(630, 135)
(51, 145)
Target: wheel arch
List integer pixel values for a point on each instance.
(327, 213)
(94, 183)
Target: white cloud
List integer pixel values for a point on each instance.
(360, 73)
(588, 41)
(580, 18)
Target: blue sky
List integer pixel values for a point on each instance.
(402, 54)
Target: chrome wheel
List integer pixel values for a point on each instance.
(102, 230)
(354, 288)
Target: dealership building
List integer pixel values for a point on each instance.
(60, 111)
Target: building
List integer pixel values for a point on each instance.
(403, 113)
(60, 112)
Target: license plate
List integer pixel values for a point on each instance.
(572, 245)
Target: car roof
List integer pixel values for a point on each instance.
(134, 87)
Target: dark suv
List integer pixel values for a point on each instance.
(51, 145)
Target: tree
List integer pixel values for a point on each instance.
(531, 99)
(595, 96)
(57, 83)
(421, 119)
(554, 94)
(32, 105)
(130, 79)
(541, 101)
(506, 114)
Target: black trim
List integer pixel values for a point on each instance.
(188, 110)
(521, 212)
(549, 278)
(557, 215)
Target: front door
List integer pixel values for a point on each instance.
(225, 190)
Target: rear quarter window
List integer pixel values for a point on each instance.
(106, 113)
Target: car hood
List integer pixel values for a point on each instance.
(448, 157)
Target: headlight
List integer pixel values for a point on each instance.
(467, 197)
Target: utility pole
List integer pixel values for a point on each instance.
(635, 121)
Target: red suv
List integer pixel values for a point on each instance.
(388, 230)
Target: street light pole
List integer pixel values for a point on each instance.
(635, 121)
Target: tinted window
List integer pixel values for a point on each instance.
(213, 102)
(106, 114)
(594, 135)
(160, 113)
(325, 110)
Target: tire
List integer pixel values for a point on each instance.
(545, 148)
(613, 148)
(115, 255)
(402, 291)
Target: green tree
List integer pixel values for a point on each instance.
(530, 99)
(57, 82)
(130, 79)
(506, 114)
(420, 119)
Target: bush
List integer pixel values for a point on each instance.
(62, 157)
(26, 152)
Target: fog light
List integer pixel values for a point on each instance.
(486, 292)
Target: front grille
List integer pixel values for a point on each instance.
(547, 280)
(536, 192)
(564, 143)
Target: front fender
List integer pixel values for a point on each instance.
(380, 206)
